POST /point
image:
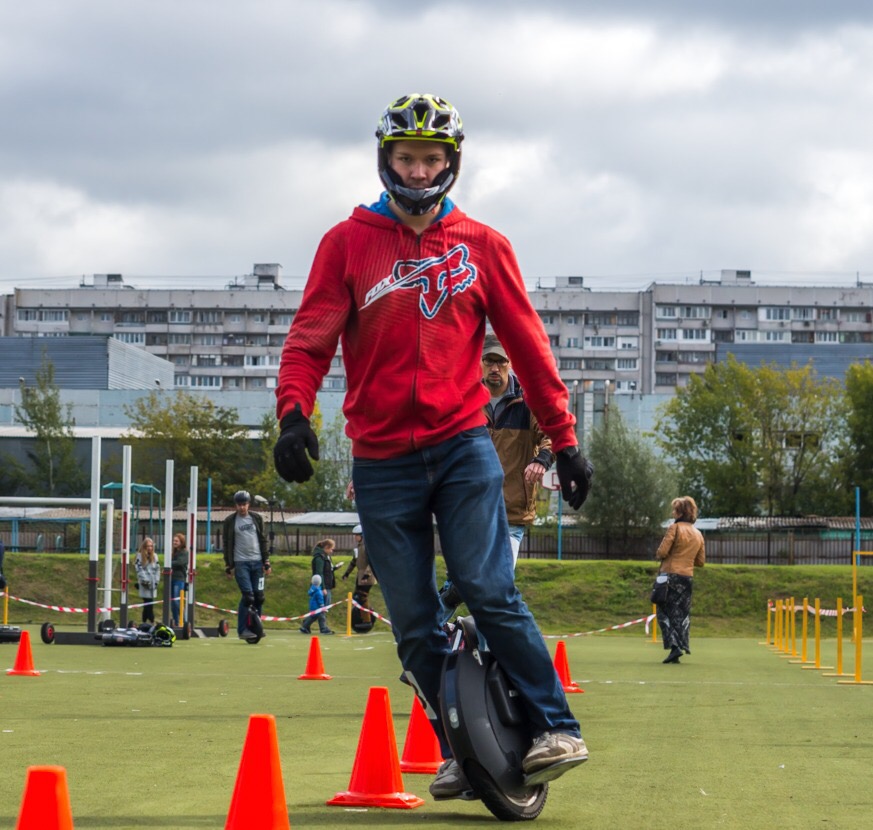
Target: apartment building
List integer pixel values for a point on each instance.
(621, 342)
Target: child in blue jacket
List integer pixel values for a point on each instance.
(316, 601)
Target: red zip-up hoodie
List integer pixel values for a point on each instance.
(410, 313)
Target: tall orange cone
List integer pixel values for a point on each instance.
(314, 664)
(24, 658)
(259, 794)
(376, 778)
(563, 669)
(45, 804)
(421, 750)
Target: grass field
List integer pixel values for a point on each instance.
(735, 736)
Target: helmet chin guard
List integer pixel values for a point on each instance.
(420, 117)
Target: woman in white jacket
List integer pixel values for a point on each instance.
(148, 574)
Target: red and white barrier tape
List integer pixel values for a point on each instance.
(71, 610)
(627, 624)
(823, 612)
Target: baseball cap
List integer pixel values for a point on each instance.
(492, 346)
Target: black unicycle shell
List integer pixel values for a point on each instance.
(488, 732)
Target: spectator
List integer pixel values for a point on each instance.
(364, 580)
(322, 565)
(316, 601)
(179, 574)
(148, 575)
(406, 286)
(245, 558)
(681, 551)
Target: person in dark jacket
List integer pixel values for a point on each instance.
(246, 559)
(322, 565)
(179, 574)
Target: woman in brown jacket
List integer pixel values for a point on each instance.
(681, 551)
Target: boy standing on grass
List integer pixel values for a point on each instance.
(316, 601)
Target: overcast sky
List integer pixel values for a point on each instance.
(180, 142)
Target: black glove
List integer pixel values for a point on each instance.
(295, 439)
(574, 468)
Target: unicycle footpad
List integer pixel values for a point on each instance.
(488, 733)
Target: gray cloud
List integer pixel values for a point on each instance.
(194, 139)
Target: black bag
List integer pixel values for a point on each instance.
(660, 590)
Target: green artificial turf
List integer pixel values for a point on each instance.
(735, 736)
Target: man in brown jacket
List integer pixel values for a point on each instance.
(524, 450)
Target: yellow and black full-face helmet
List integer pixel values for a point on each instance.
(420, 117)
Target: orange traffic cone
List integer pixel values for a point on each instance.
(259, 794)
(563, 669)
(376, 779)
(45, 804)
(24, 659)
(421, 750)
(314, 664)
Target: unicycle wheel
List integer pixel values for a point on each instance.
(519, 805)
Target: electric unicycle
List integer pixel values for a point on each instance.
(486, 728)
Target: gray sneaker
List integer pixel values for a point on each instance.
(245, 634)
(551, 755)
(450, 782)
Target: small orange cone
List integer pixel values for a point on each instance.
(376, 778)
(314, 664)
(259, 794)
(45, 804)
(24, 658)
(563, 669)
(421, 750)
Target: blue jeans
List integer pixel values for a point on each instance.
(178, 585)
(250, 578)
(460, 482)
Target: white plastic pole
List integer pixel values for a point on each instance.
(125, 528)
(192, 544)
(168, 543)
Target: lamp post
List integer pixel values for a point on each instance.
(606, 403)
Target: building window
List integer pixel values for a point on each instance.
(206, 360)
(135, 338)
(776, 313)
(156, 317)
(855, 317)
(694, 312)
(628, 342)
(137, 317)
(775, 336)
(210, 317)
(666, 334)
(208, 339)
(746, 335)
(599, 342)
(664, 356)
(665, 378)
(600, 365)
(206, 381)
(573, 342)
(723, 336)
(547, 319)
(626, 364)
(179, 316)
(627, 318)
(665, 311)
(695, 334)
(802, 313)
(570, 364)
(828, 314)
(179, 339)
(827, 337)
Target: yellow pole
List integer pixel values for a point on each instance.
(817, 664)
(349, 615)
(793, 628)
(805, 625)
(859, 636)
(839, 671)
(777, 641)
(654, 623)
(182, 609)
(767, 640)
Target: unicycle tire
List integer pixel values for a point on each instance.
(487, 729)
(525, 805)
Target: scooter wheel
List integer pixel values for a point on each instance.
(253, 641)
(523, 805)
(223, 628)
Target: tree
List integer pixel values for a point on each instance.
(632, 485)
(192, 431)
(55, 470)
(859, 396)
(766, 440)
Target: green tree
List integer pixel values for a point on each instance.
(859, 396)
(764, 440)
(632, 485)
(192, 431)
(54, 469)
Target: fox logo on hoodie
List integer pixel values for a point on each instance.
(435, 278)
